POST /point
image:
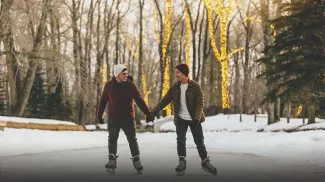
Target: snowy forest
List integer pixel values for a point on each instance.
(249, 56)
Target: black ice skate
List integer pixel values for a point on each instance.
(181, 167)
(206, 166)
(111, 165)
(137, 164)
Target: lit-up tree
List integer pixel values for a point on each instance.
(222, 55)
(188, 38)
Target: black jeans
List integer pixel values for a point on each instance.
(197, 132)
(129, 128)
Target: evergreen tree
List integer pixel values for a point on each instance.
(37, 97)
(57, 107)
(295, 64)
(3, 94)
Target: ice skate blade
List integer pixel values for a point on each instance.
(110, 171)
(210, 172)
(180, 173)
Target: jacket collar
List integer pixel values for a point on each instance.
(190, 83)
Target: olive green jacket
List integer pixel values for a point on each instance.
(194, 101)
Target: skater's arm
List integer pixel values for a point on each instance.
(103, 102)
(199, 99)
(140, 101)
(163, 103)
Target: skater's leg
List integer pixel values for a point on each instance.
(181, 130)
(129, 129)
(197, 133)
(130, 132)
(113, 130)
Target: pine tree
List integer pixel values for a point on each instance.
(37, 98)
(295, 63)
(57, 107)
(3, 94)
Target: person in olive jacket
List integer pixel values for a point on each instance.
(188, 102)
(119, 95)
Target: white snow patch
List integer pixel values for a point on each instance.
(34, 120)
(317, 125)
(231, 123)
(90, 127)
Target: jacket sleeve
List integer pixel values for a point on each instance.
(163, 103)
(199, 100)
(103, 101)
(139, 100)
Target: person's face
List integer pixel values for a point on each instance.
(179, 75)
(123, 76)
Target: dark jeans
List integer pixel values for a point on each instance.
(129, 128)
(197, 132)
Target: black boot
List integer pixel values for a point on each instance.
(137, 164)
(181, 167)
(208, 167)
(111, 165)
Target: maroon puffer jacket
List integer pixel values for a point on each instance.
(119, 97)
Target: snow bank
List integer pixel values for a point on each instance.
(96, 127)
(231, 123)
(34, 120)
(317, 126)
(90, 127)
(223, 122)
(22, 141)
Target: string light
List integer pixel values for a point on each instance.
(104, 73)
(167, 35)
(222, 55)
(299, 110)
(188, 37)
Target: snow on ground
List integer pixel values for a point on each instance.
(232, 123)
(317, 125)
(90, 127)
(223, 122)
(34, 120)
(20, 141)
(94, 127)
(305, 145)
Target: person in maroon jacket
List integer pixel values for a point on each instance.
(119, 95)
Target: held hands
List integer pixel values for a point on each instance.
(198, 122)
(100, 120)
(150, 118)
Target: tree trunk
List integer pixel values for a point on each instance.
(99, 58)
(117, 33)
(311, 113)
(270, 112)
(33, 63)
(76, 58)
(289, 112)
(237, 85)
(51, 66)
(206, 49)
(140, 63)
(161, 38)
(249, 31)
(277, 109)
(199, 73)
(6, 37)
